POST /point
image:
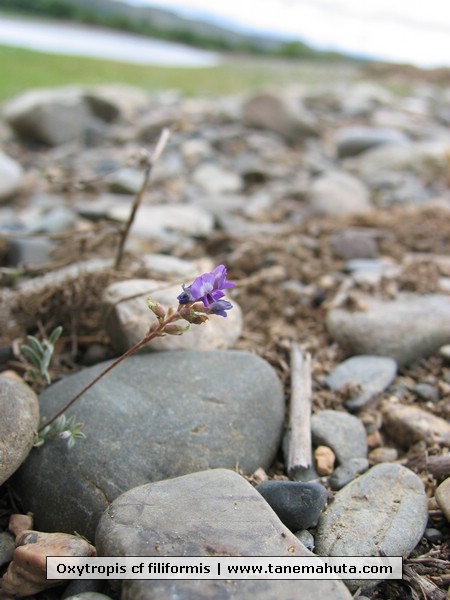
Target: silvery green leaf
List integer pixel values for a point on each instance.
(35, 343)
(31, 355)
(55, 334)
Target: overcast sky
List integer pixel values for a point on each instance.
(415, 31)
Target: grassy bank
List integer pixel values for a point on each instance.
(23, 69)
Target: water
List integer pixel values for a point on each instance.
(80, 40)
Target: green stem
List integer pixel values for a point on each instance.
(148, 337)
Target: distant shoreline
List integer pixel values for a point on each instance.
(76, 39)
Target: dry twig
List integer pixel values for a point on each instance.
(148, 161)
(299, 451)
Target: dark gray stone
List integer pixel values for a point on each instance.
(151, 418)
(365, 376)
(306, 538)
(211, 513)
(427, 392)
(83, 586)
(383, 511)
(342, 432)
(345, 473)
(433, 535)
(298, 505)
(408, 328)
(31, 251)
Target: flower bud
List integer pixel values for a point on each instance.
(153, 327)
(196, 317)
(157, 308)
(174, 329)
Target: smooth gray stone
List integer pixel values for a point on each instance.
(306, 538)
(30, 251)
(427, 392)
(48, 116)
(298, 505)
(19, 419)
(153, 417)
(60, 218)
(211, 513)
(354, 243)
(433, 535)
(383, 511)
(351, 141)
(11, 177)
(408, 328)
(78, 587)
(346, 472)
(370, 375)
(339, 194)
(276, 113)
(342, 432)
(126, 181)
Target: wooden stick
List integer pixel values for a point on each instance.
(149, 162)
(299, 456)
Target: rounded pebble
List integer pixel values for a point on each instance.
(442, 496)
(383, 511)
(383, 454)
(347, 472)
(297, 504)
(19, 419)
(367, 377)
(342, 432)
(324, 458)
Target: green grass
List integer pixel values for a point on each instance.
(24, 69)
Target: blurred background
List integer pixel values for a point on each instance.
(197, 46)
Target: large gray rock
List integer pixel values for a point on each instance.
(127, 319)
(49, 116)
(112, 101)
(214, 513)
(406, 329)
(19, 419)
(279, 114)
(338, 194)
(382, 512)
(11, 176)
(154, 417)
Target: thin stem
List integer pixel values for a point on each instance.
(148, 337)
(150, 161)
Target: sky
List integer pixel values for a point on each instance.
(414, 31)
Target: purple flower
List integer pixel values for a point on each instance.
(208, 289)
(219, 308)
